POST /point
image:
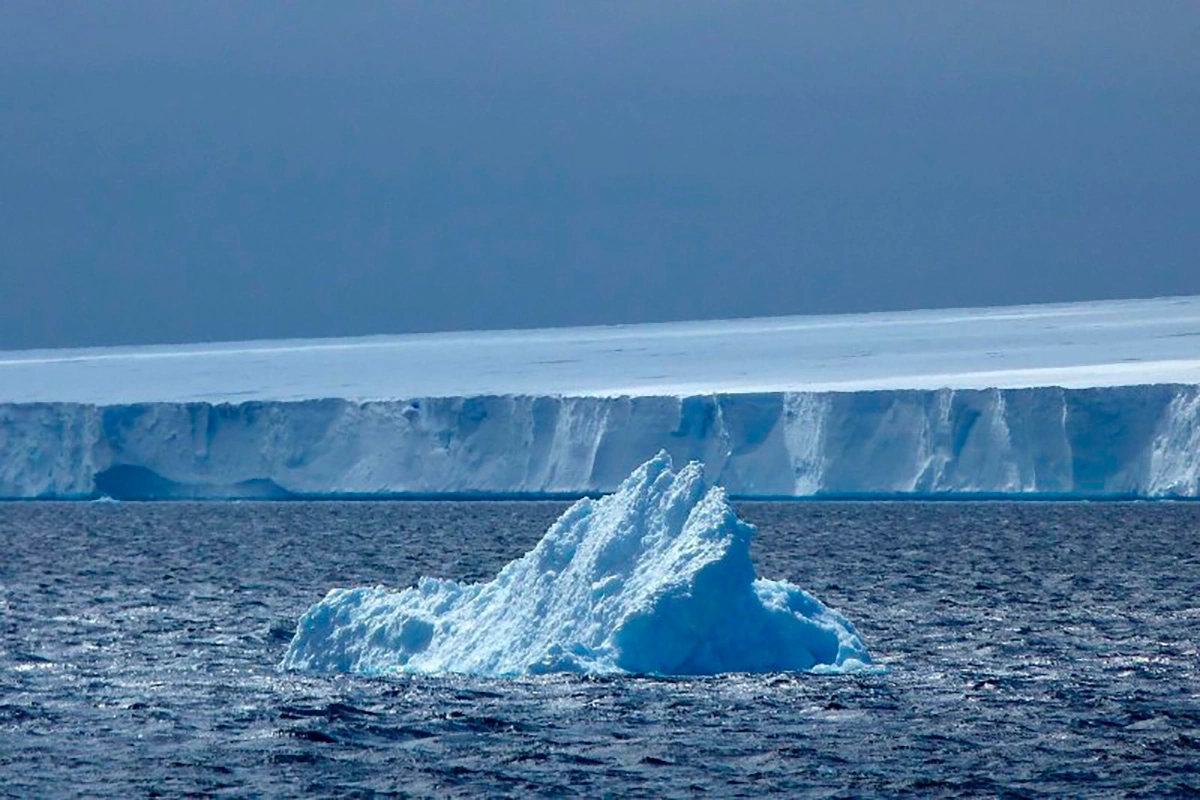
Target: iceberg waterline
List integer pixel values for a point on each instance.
(1120, 440)
(653, 579)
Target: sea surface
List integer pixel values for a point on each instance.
(1031, 650)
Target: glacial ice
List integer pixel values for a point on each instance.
(1083, 399)
(1139, 441)
(1070, 345)
(654, 579)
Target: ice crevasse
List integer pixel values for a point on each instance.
(653, 579)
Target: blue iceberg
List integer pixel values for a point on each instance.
(655, 579)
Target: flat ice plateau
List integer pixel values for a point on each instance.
(1075, 345)
(653, 579)
(1095, 399)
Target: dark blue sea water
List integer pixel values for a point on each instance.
(1031, 650)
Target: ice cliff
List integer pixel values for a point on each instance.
(1074, 399)
(654, 579)
(1120, 440)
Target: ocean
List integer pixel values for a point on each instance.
(1030, 649)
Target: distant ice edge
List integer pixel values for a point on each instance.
(1132, 440)
(655, 579)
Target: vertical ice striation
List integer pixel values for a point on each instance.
(1120, 440)
(50, 450)
(804, 418)
(653, 579)
(1175, 455)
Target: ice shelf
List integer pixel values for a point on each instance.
(1094, 399)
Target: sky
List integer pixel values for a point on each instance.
(177, 172)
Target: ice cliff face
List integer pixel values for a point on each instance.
(1131, 440)
(654, 579)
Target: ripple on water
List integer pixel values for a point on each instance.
(1033, 649)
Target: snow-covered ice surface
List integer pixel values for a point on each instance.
(653, 579)
(1074, 345)
(1087, 399)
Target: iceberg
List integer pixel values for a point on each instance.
(655, 579)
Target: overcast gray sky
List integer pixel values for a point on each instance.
(196, 171)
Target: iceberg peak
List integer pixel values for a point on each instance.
(653, 579)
